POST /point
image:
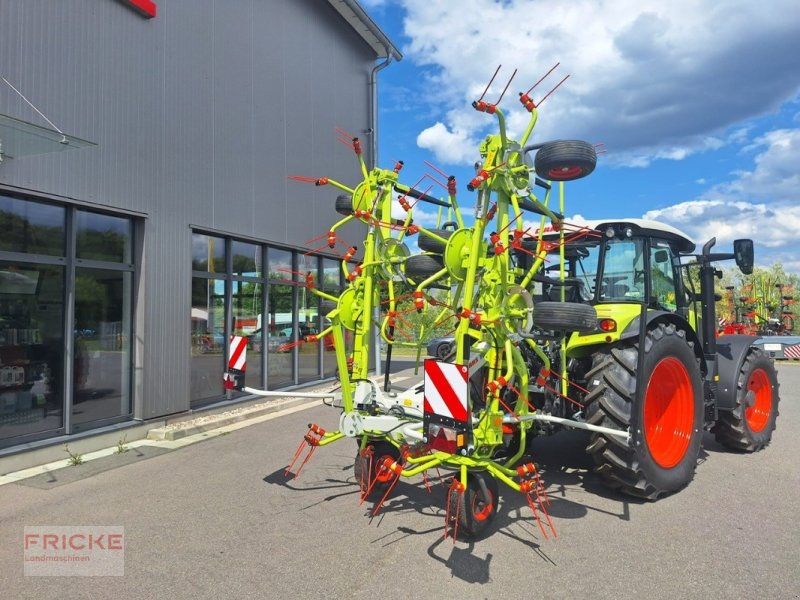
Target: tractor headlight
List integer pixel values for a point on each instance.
(610, 233)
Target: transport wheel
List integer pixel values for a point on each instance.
(344, 204)
(429, 244)
(444, 350)
(422, 266)
(380, 452)
(477, 510)
(565, 316)
(666, 422)
(750, 424)
(565, 160)
(326, 306)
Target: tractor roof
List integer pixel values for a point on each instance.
(683, 242)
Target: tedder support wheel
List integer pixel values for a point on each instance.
(429, 244)
(565, 160)
(423, 266)
(665, 422)
(380, 451)
(750, 424)
(565, 316)
(344, 204)
(477, 511)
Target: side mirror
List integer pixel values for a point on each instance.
(661, 256)
(743, 253)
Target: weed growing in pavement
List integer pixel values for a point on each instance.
(75, 458)
(122, 448)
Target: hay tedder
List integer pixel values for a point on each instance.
(554, 326)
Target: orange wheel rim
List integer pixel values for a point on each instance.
(481, 510)
(668, 412)
(383, 474)
(757, 415)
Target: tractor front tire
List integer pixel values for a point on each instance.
(665, 423)
(749, 426)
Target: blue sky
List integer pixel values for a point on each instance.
(697, 103)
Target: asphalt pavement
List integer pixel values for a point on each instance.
(219, 519)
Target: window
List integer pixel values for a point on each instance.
(101, 387)
(308, 320)
(662, 276)
(53, 380)
(248, 289)
(31, 350)
(331, 282)
(103, 237)
(281, 330)
(623, 271)
(32, 227)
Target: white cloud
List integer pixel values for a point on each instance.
(650, 80)
(762, 204)
(451, 147)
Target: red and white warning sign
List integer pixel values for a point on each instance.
(237, 353)
(446, 391)
(791, 351)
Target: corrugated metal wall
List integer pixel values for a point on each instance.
(199, 116)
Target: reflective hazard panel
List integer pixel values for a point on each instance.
(237, 363)
(446, 416)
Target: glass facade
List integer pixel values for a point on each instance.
(101, 385)
(254, 290)
(281, 330)
(308, 321)
(330, 282)
(66, 306)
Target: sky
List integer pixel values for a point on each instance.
(697, 104)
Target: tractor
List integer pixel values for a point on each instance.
(653, 365)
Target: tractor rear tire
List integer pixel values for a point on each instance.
(565, 316)
(429, 244)
(565, 160)
(665, 424)
(475, 513)
(423, 266)
(749, 426)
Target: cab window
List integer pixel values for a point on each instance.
(662, 276)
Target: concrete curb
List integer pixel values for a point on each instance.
(211, 422)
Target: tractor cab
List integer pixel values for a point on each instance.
(618, 266)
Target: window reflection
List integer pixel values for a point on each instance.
(208, 338)
(247, 297)
(103, 237)
(31, 349)
(281, 335)
(308, 320)
(101, 374)
(32, 227)
(208, 253)
(331, 283)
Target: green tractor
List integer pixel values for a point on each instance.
(654, 365)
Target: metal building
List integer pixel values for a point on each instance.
(145, 211)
